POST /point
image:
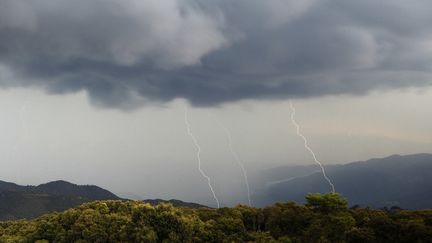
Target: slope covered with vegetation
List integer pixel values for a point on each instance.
(18, 202)
(397, 180)
(324, 218)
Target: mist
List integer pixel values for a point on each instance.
(147, 153)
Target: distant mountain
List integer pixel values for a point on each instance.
(175, 203)
(18, 202)
(404, 181)
(65, 188)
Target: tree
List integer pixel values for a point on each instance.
(326, 203)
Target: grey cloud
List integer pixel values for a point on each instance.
(131, 51)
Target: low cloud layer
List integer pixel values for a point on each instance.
(125, 52)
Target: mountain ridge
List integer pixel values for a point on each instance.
(18, 202)
(395, 180)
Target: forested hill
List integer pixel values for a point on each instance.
(324, 218)
(27, 202)
(397, 180)
(31, 201)
(62, 188)
(175, 203)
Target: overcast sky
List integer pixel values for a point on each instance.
(93, 91)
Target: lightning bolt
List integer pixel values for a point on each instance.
(236, 156)
(308, 148)
(198, 155)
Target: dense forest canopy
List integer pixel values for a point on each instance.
(324, 218)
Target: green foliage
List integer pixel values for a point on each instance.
(330, 202)
(324, 218)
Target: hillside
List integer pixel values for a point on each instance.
(324, 218)
(403, 181)
(18, 202)
(174, 202)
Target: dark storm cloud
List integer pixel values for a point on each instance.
(127, 51)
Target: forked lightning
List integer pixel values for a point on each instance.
(236, 157)
(198, 155)
(293, 112)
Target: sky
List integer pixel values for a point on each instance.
(94, 91)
